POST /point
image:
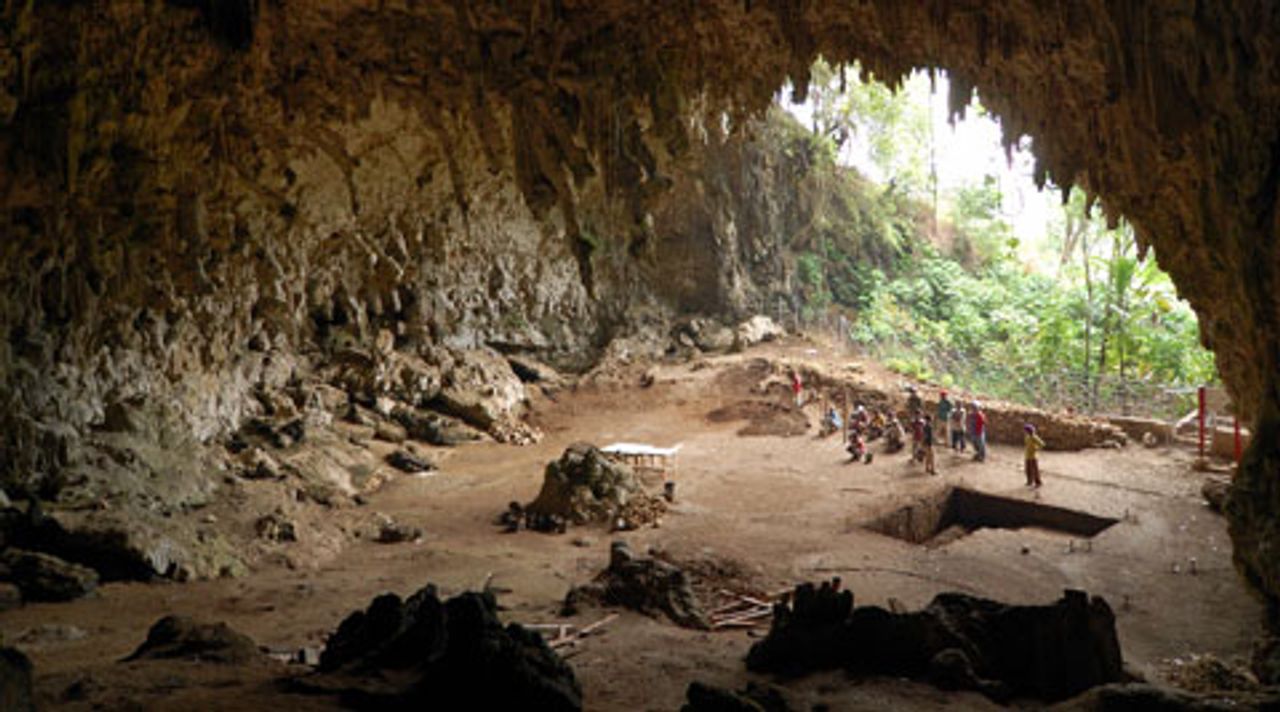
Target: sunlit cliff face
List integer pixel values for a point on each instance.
(186, 179)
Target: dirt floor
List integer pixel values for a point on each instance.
(775, 510)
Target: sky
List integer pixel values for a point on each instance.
(968, 151)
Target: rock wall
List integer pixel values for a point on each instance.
(185, 180)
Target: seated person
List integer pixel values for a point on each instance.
(895, 436)
(831, 422)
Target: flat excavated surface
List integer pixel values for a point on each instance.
(787, 509)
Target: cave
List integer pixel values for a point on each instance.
(231, 224)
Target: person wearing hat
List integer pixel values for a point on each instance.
(914, 406)
(943, 416)
(1032, 443)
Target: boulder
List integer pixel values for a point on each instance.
(41, 577)
(757, 329)
(179, 637)
(406, 461)
(434, 428)
(1215, 491)
(706, 334)
(10, 597)
(16, 693)
(480, 388)
(424, 653)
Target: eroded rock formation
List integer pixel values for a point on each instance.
(198, 203)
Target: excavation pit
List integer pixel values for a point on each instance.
(956, 512)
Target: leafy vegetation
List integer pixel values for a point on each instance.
(959, 302)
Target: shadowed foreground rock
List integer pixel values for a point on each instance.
(754, 698)
(1050, 652)
(650, 586)
(424, 653)
(42, 577)
(15, 682)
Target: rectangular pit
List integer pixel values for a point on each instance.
(956, 512)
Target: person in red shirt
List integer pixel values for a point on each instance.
(979, 417)
(796, 386)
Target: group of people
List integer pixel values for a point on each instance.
(964, 423)
(863, 428)
(961, 424)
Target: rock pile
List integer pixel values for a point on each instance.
(1051, 652)
(585, 485)
(424, 653)
(648, 585)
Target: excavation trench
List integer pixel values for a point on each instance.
(956, 512)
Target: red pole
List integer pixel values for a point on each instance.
(1236, 420)
(1201, 393)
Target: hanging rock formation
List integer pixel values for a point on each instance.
(200, 198)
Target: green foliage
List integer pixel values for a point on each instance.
(1007, 331)
(1106, 332)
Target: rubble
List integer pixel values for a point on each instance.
(1207, 673)
(1049, 652)
(647, 585)
(425, 653)
(585, 485)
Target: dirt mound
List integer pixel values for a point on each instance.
(585, 485)
(959, 641)
(648, 585)
(763, 418)
(179, 637)
(424, 653)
